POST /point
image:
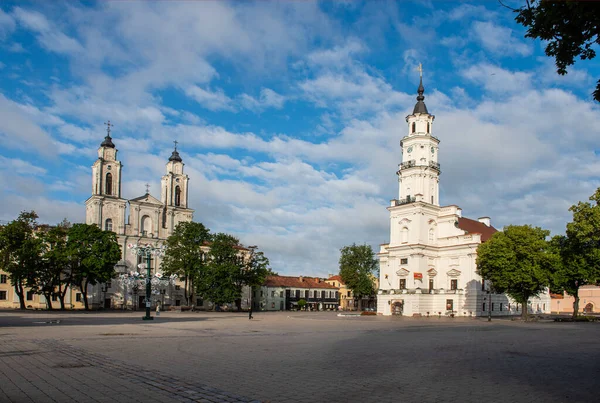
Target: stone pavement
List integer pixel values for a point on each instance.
(294, 357)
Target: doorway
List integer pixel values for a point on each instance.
(107, 302)
(398, 308)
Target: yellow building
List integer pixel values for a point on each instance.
(347, 300)
(10, 299)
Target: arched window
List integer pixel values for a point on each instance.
(414, 127)
(177, 196)
(108, 190)
(146, 225)
(108, 225)
(404, 235)
(428, 128)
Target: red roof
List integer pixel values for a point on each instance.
(476, 227)
(296, 282)
(337, 277)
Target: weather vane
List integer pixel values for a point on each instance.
(108, 126)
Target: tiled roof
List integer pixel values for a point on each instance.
(337, 277)
(296, 282)
(476, 227)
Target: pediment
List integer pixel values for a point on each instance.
(404, 221)
(402, 272)
(146, 199)
(453, 273)
(432, 272)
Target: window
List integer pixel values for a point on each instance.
(3, 278)
(482, 285)
(108, 225)
(272, 293)
(428, 127)
(483, 307)
(336, 295)
(500, 306)
(2, 295)
(431, 284)
(453, 284)
(492, 306)
(177, 287)
(261, 293)
(306, 294)
(322, 294)
(78, 297)
(349, 293)
(29, 295)
(177, 302)
(414, 127)
(54, 297)
(177, 196)
(272, 304)
(404, 261)
(449, 305)
(404, 235)
(402, 283)
(298, 294)
(280, 294)
(108, 184)
(146, 225)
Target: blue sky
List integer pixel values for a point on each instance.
(289, 115)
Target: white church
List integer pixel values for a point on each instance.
(141, 220)
(428, 267)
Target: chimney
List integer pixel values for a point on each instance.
(318, 280)
(485, 220)
(300, 278)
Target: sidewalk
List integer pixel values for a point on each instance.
(51, 371)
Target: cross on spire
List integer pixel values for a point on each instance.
(147, 188)
(108, 126)
(176, 142)
(420, 70)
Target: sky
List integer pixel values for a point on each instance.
(289, 114)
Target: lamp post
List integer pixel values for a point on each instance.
(104, 290)
(146, 251)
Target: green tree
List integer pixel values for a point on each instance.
(580, 249)
(49, 278)
(229, 268)
(571, 29)
(93, 254)
(20, 252)
(571, 270)
(185, 257)
(518, 261)
(358, 267)
(301, 304)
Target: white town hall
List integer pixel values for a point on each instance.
(428, 267)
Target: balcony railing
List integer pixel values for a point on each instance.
(413, 163)
(408, 164)
(409, 199)
(434, 165)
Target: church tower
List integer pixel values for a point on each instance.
(105, 207)
(174, 193)
(419, 171)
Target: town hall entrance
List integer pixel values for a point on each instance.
(397, 307)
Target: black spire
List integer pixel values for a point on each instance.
(108, 140)
(175, 155)
(420, 106)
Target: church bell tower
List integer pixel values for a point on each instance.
(419, 171)
(174, 193)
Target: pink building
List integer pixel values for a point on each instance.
(589, 301)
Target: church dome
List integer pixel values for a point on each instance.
(107, 142)
(175, 156)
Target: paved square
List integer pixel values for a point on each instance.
(292, 357)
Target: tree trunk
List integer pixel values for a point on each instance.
(185, 292)
(359, 303)
(83, 288)
(61, 298)
(21, 294)
(48, 297)
(524, 310)
(576, 304)
(238, 304)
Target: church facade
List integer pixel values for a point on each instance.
(428, 267)
(142, 220)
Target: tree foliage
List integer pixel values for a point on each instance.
(579, 250)
(571, 29)
(93, 254)
(51, 276)
(231, 267)
(357, 268)
(20, 252)
(518, 261)
(185, 255)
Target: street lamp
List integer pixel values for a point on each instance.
(104, 290)
(146, 251)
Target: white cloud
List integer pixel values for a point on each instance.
(499, 40)
(212, 100)
(268, 99)
(20, 166)
(49, 36)
(498, 80)
(7, 25)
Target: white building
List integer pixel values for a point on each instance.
(428, 267)
(144, 219)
